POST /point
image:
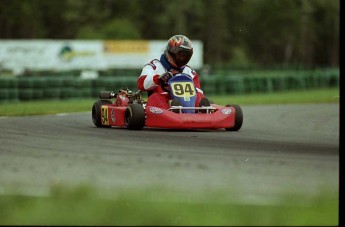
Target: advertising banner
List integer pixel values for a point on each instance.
(85, 55)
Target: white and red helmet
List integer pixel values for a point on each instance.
(179, 51)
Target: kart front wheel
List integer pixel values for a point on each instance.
(97, 113)
(238, 118)
(135, 117)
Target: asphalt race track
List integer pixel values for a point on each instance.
(279, 148)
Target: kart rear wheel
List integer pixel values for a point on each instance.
(135, 117)
(97, 113)
(238, 118)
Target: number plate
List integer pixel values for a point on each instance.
(105, 120)
(183, 89)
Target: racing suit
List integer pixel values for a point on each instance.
(148, 81)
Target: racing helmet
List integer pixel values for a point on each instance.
(178, 51)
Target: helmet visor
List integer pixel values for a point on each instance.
(181, 56)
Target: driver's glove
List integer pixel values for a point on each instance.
(165, 77)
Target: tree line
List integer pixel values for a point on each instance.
(235, 33)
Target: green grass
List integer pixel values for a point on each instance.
(45, 107)
(308, 96)
(80, 105)
(84, 206)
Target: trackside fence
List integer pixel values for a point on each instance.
(24, 88)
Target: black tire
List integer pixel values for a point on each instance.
(97, 113)
(238, 118)
(135, 117)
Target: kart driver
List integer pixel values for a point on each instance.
(177, 54)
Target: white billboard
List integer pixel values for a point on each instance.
(83, 55)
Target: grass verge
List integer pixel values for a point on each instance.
(84, 206)
(81, 105)
(292, 97)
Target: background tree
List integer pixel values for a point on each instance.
(236, 33)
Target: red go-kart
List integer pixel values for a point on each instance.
(130, 110)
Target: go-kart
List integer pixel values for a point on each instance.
(130, 110)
